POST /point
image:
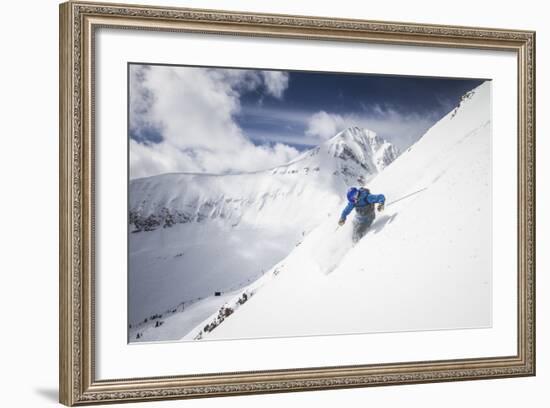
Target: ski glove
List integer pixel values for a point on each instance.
(380, 207)
(341, 222)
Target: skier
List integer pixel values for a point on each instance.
(363, 201)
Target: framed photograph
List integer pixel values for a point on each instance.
(256, 203)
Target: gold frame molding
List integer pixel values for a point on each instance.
(78, 22)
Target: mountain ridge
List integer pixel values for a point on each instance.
(351, 157)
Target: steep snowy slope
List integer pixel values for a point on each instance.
(196, 234)
(425, 264)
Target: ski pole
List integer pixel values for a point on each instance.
(406, 196)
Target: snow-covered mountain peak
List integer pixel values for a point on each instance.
(364, 147)
(353, 136)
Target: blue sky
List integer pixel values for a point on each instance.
(415, 103)
(229, 120)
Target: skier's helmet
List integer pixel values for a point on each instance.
(353, 194)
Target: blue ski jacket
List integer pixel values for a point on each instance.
(364, 199)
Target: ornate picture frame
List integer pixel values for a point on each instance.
(79, 22)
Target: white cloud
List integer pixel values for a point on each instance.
(324, 125)
(194, 109)
(276, 82)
